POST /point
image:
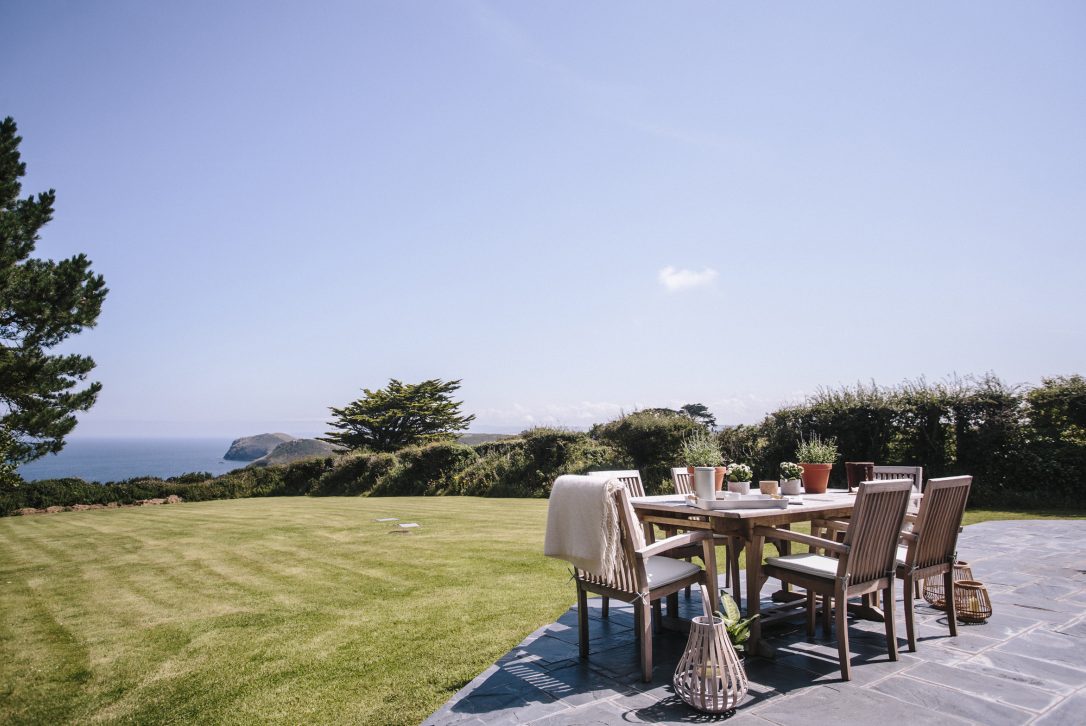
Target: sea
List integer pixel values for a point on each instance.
(117, 459)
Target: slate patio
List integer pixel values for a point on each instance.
(1027, 664)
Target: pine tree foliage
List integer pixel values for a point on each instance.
(42, 302)
(399, 415)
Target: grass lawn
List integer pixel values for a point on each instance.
(288, 609)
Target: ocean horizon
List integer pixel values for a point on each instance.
(116, 459)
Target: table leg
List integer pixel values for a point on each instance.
(754, 588)
(713, 583)
(735, 546)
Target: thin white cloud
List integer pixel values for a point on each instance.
(676, 280)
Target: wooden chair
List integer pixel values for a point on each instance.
(635, 488)
(643, 577)
(684, 484)
(931, 546)
(630, 477)
(915, 474)
(865, 561)
(683, 481)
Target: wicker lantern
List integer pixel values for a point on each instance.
(710, 676)
(933, 586)
(971, 601)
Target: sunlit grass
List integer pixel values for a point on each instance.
(291, 610)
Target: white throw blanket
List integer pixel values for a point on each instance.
(582, 523)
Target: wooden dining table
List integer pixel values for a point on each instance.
(672, 512)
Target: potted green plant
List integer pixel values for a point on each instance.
(816, 455)
(790, 478)
(701, 450)
(738, 627)
(739, 476)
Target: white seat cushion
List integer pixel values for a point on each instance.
(664, 570)
(810, 564)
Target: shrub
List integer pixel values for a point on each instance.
(425, 470)
(817, 450)
(652, 440)
(528, 465)
(700, 449)
(355, 474)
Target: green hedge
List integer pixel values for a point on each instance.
(528, 465)
(650, 441)
(1024, 448)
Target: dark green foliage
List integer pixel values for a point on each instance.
(700, 413)
(300, 477)
(1057, 409)
(651, 441)
(425, 470)
(528, 465)
(1022, 448)
(399, 415)
(42, 303)
(192, 477)
(1057, 435)
(355, 474)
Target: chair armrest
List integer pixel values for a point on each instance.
(911, 518)
(834, 524)
(679, 540)
(806, 539)
(908, 536)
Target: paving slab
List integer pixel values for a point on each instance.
(1026, 664)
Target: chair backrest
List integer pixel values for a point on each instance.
(937, 524)
(874, 530)
(625, 577)
(630, 477)
(680, 477)
(915, 473)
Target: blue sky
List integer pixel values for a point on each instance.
(576, 208)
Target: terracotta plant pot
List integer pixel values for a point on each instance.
(718, 477)
(816, 477)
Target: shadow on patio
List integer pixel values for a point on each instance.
(1026, 664)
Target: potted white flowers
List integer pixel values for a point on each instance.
(790, 478)
(739, 476)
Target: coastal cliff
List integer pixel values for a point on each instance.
(250, 448)
(295, 450)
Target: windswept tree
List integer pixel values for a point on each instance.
(42, 303)
(700, 413)
(399, 415)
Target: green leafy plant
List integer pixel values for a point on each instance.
(737, 626)
(701, 449)
(817, 450)
(740, 472)
(790, 470)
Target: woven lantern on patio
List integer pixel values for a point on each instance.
(933, 586)
(971, 601)
(710, 676)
